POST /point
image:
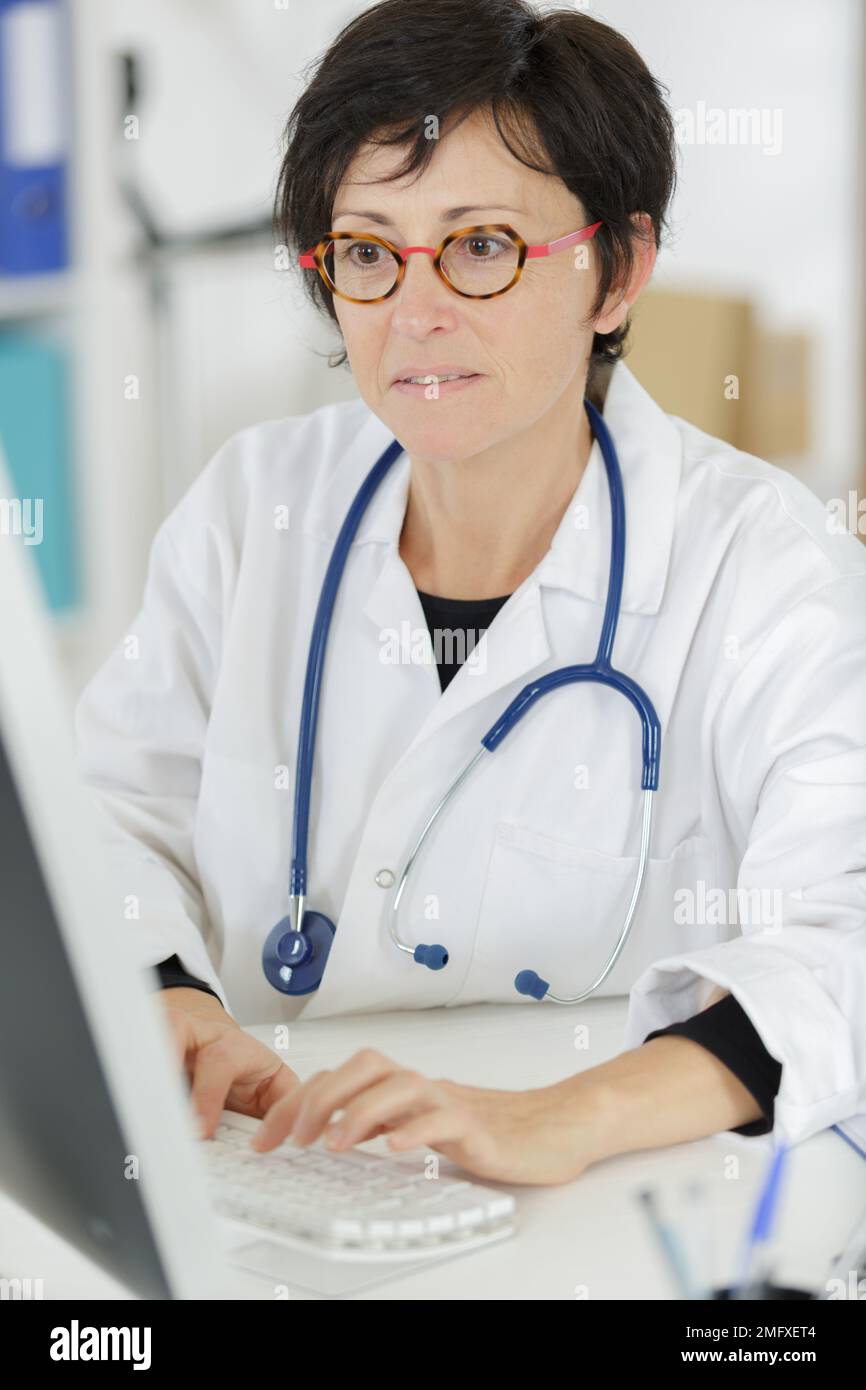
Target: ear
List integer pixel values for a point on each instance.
(622, 297)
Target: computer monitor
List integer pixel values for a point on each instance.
(95, 1130)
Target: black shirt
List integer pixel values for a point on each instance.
(724, 1029)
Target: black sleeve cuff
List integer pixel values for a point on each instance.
(172, 975)
(726, 1030)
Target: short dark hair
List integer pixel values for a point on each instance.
(568, 94)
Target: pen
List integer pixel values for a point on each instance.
(669, 1245)
(762, 1224)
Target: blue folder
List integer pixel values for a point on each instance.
(34, 130)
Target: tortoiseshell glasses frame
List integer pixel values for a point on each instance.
(314, 259)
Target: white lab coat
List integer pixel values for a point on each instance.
(743, 617)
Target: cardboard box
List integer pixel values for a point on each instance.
(705, 358)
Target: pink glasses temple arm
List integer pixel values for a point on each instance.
(550, 248)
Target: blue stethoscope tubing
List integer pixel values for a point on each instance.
(295, 953)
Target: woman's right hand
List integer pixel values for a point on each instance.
(228, 1069)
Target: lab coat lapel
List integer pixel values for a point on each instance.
(394, 607)
(518, 642)
(649, 450)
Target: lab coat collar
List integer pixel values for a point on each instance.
(650, 454)
(649, 448)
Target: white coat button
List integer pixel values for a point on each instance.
(385, 878)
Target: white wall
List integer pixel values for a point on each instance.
(787, 228)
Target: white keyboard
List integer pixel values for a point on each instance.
(349, 1205)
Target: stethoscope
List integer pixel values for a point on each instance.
(296, 951)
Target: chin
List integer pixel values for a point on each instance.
(442, 436)
(438, 445)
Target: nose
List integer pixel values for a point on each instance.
(418, 275)
(422, 296)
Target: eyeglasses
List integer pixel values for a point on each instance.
(476, 262)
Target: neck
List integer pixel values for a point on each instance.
(476, 527)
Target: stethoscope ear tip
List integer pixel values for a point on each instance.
(434, 957)
(527, 982)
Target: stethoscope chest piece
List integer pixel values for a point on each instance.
(294, 961)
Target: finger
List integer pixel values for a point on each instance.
(281, 1086)
(395, 1098)
(305, 1112)
(280, 1117)
(336, 1090)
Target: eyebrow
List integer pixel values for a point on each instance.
(450, 214)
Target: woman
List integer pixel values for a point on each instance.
(485, 126)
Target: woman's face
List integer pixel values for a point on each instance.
(527, 345)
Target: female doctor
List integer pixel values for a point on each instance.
(478, 221)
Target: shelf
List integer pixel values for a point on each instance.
(35, 296)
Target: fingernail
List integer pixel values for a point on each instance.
(333, 1137)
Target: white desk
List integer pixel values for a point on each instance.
(585, 1239)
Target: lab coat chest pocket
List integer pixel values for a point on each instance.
(558, 908)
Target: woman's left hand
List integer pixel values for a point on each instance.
(540, 1136)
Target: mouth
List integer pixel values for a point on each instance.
(428, 378)
(433, 384)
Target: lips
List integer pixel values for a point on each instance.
(452, 386)
(431, 380)
(426, 372)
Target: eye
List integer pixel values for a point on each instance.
(370, 252)
(480, 247)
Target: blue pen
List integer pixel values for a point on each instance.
(762, 1222)
(669, 1246)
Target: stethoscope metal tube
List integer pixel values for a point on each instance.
(527, 982)
(434, 957)
(296, 950)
